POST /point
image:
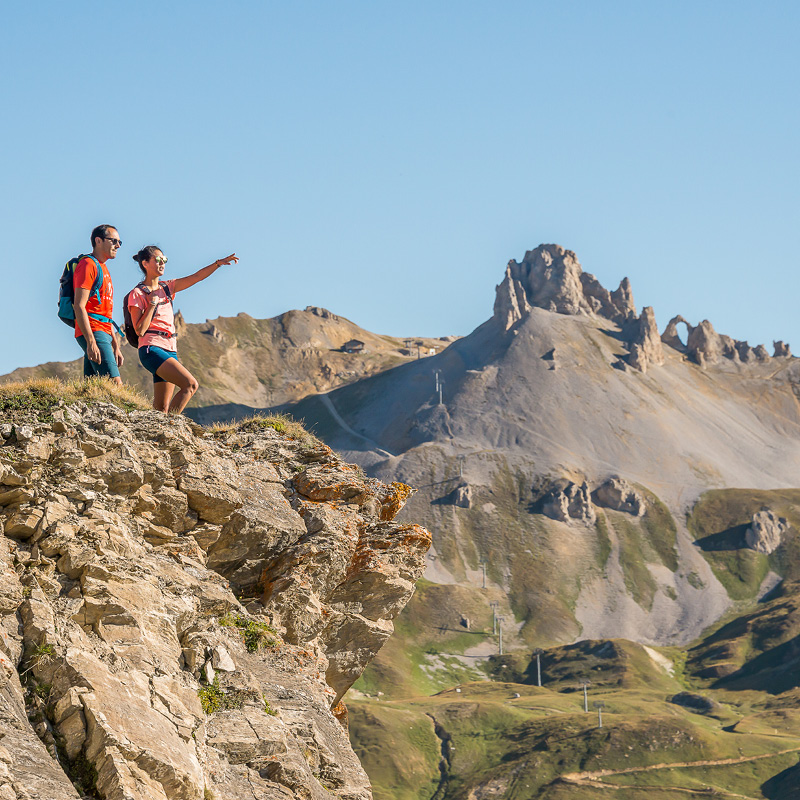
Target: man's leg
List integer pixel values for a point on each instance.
(108, 361)
(90, 368)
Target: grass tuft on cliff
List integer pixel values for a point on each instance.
(39, 395)
(282, 423)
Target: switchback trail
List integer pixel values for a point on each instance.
(594, 778)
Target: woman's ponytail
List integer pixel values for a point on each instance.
(145, 254)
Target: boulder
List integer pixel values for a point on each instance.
(765, 532)
(463, 496)
(618, 495)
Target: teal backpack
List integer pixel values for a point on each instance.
(66, 293)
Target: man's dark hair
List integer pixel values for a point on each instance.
(101, 231)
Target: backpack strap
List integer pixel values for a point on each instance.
(162, 285)
(98, 282)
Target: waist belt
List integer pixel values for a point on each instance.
(160, 333)
(107, 320)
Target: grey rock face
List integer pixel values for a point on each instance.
(550, 277)
(645, 342)
(464, 496)
(125, 538)
(765, 532)
(569, 501)
(619, 495)
(510, 303)
(703, 344)
(781, 349)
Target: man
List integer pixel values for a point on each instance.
(93, 327)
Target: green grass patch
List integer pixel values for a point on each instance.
(661, 529)
(406, 769)
(632, 558)
(255, 635)
(718, 522)
(213, 698)
(603, 539)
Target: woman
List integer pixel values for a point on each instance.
(150, 306)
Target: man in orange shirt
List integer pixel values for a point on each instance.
(93, 309)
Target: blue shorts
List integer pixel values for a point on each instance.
(153, 357)
(108, 362)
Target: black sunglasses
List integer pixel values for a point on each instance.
(117, 242)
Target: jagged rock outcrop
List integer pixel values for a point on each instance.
(463, 496)
(705, 346)
(765, 532)
(126, 659)
(510, 302)
(617, 494)
(781, 349)
(645, 343)
(567, 501)
(670, 336)
(550, 277)
(761, 353)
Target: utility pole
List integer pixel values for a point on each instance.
(483, 567)
(599, 705)
(441, 383)
(585, 684)
(538, 653)
(436, 375)
(500, 631)
(494, 618)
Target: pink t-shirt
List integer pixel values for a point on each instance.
(163, 318)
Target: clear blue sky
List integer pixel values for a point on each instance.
(385, 160)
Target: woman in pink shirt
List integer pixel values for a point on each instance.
(150, 305)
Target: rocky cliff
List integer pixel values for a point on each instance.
(181, 610)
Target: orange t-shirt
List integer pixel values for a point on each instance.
(85, 275)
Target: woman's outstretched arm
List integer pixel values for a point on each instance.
(202, 274)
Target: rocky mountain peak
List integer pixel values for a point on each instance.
(551, 277)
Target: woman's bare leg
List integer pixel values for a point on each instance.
(162, 395)
(172, 371)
